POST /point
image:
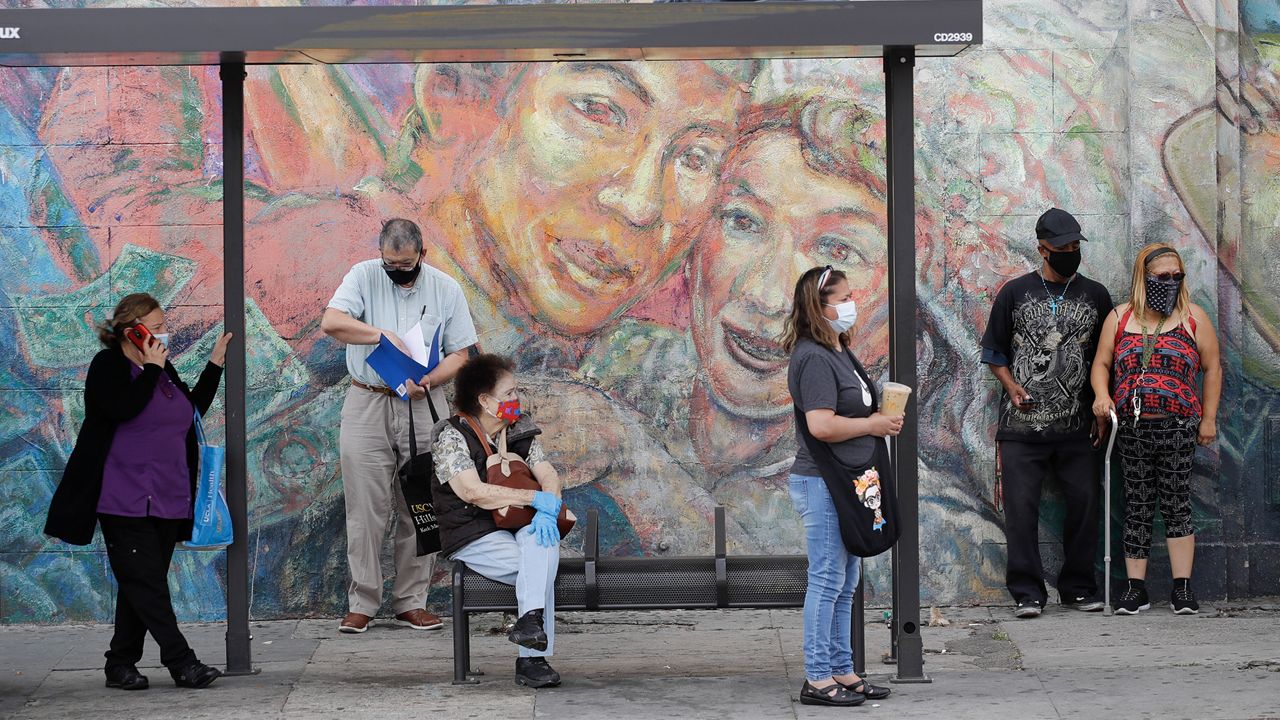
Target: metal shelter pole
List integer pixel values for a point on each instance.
(857, 633)
(899, 70)
(232, 73)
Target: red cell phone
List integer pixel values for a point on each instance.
(138, 335)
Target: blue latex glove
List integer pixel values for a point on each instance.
(544, 529)
(546, 502)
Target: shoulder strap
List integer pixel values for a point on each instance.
(475, 428)
(1124, 322)
(1191, 320)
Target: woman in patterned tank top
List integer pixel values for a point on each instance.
(1151, 350)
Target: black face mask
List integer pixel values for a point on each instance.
(1065, 263)
(404, 277)
(1162, 295)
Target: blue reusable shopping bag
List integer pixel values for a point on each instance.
(212, 529)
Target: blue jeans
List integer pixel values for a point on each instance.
(833, 576)
(520, 561)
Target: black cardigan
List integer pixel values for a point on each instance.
(111, 397)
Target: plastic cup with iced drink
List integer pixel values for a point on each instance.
(894, 398)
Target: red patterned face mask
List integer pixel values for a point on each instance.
(509, 411)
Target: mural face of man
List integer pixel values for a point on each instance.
(777, 218)
(597, 180)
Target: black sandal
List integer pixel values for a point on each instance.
(867, 690)
(836, 694)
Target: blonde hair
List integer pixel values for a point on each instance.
(806, 319)
(1138, 290)
(128, 311)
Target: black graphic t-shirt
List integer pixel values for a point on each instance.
(1046, 333)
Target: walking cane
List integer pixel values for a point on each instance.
(1106, 494)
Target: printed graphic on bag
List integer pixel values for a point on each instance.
(868, 488)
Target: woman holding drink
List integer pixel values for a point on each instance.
(835, 410)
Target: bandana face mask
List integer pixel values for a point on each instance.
(1162, 295)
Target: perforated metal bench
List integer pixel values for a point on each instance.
(637, 583)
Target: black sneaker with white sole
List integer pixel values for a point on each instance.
(536, 672)
(1133, 599)
(1183, 599)
(1027, 609)
(1083, 603)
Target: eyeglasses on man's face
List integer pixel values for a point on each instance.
(399, 263)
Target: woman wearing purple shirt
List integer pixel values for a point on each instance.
(133, 471)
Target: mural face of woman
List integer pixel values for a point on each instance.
(598, 178)
(776, 218)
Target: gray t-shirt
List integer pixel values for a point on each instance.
(819, 378)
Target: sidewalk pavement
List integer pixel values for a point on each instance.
(743, 664)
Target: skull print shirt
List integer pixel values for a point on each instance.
(1046, 333)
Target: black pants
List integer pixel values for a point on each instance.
(1024, 467)
(140, 550)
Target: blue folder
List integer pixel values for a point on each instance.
(394, 367)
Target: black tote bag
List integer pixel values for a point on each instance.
(416, 477)
(864, 497)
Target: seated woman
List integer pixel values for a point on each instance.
(485, 394)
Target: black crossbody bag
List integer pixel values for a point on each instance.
(416, 477)
(865, 500)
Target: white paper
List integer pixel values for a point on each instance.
(416, 344)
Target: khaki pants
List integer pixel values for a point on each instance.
(374, 442)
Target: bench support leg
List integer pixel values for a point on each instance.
(461, 632)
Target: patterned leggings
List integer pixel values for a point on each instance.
(1157, 456)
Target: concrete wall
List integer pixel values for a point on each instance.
(606, 244)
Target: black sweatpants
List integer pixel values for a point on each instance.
(1024, 468)
(140, 550)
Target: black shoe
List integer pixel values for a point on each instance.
(1028, 609)
(1183, 599)
(535, 672)
(869, 691)
(126, 677)
(528, 631)
(1133, 599)
(834, 694)
(196, 675)
(1083, 603)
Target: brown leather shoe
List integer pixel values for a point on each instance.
(354, 623)
(419, 620)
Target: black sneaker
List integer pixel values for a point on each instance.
(1183, 599)
(1083, 603)
(1133, 599)
(196, 675)
(536, 672)
(529, 632)
(1027, 609)
(126, 677)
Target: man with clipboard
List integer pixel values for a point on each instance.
(401, 301)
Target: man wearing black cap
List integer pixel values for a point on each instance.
(1039, 344)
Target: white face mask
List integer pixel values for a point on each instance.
(162, 338)
(846, 316)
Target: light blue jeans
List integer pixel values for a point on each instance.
(833, 576)
(519, 560)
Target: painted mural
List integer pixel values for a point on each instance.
(630, 233)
